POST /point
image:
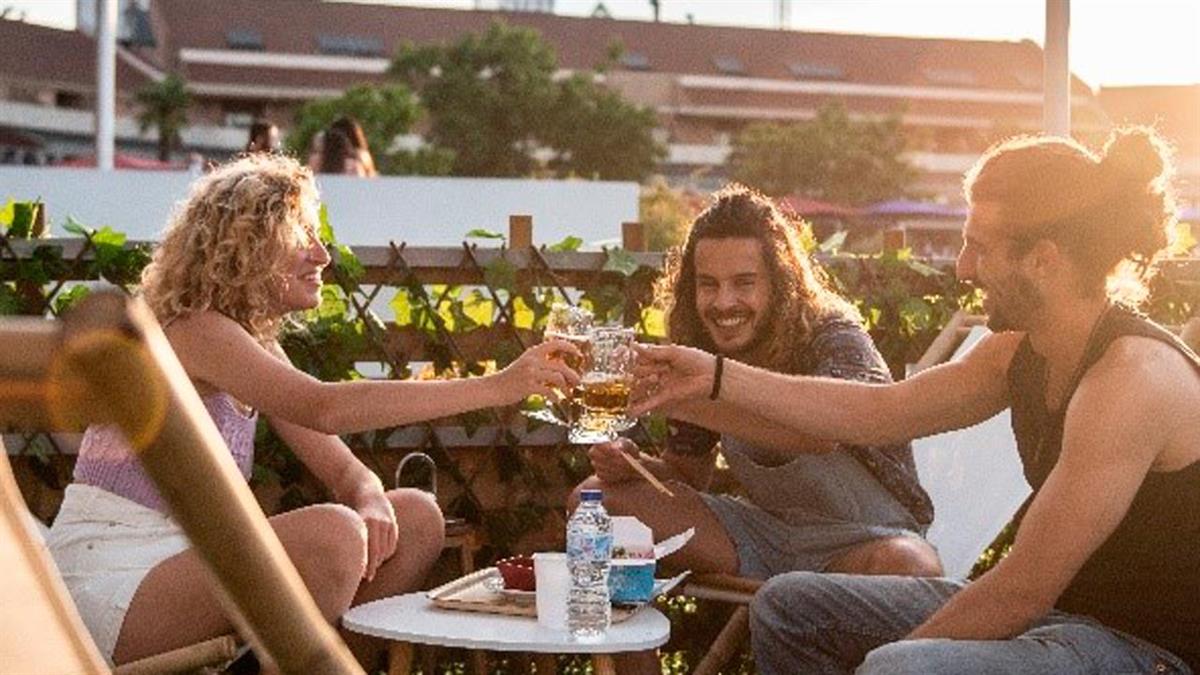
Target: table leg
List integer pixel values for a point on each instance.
(400, 658)
(547, 664)
(602, 664)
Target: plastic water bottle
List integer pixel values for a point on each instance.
(589, 553)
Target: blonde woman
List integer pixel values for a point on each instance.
(240, 254)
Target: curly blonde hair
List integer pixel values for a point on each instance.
(228, 246)
(801, 295)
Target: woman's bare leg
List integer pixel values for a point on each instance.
(422, 536)
(420, 541)
(174, 606)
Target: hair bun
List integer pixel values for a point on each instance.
(1136, 154)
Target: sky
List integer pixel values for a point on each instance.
(1112, 42)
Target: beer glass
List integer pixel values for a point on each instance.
(573, 324)
(605, 384)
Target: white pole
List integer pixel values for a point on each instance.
(106, 81)
(1056, 70)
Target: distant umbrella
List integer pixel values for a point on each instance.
(917, 209)
(811, 208)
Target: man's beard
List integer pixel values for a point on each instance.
(1013, 309)
(748, 353)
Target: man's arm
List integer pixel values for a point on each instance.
(949, 396)
(1117, 426)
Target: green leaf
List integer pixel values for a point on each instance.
(333, 303)
(570, 243)
(24, 213)
(77, 228)
(401, 306)
(621, 261)
(481, 233)
(106, 236)
(500, 274)
(834, 243)
(69, 297)
(348, 263)
(479, 309)
(523, 315)
(10, 301)
(654, 322)
(324, 229)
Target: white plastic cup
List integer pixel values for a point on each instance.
(553, 580)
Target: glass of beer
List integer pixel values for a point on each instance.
(605, 383)
(573, 324)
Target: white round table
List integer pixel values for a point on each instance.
(412, 618)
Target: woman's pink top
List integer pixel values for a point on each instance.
(106, 461)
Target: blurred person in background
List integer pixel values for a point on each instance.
(354, 132)
(339, 157)
(264, 137)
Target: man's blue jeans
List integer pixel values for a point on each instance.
(815, 624)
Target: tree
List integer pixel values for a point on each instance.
(494, 102)
(384, 112)
(598, 134)
(164, 107)
(830, 157)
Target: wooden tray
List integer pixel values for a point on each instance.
(477, 592)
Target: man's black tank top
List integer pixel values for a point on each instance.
(1145, 578)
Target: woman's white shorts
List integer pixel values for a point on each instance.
(104, 545)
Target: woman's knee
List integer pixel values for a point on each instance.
(419, 518)
(334, 545)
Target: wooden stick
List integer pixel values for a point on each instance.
(645, 473)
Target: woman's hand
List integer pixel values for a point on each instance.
(608, 464)
(373, 505)
(670, 374)
(540, 370)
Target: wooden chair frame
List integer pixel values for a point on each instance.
(109, 361)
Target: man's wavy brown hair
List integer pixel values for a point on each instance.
(801, 295)
(230, 244)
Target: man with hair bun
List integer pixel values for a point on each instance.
(1104, 573)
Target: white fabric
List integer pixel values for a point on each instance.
(974, 477)
(104, 545)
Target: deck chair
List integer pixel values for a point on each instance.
(973, 475)
(108, 361)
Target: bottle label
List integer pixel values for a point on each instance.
(590, 547)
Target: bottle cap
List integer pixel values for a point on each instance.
(591, 495)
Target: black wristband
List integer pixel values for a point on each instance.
(716, 388)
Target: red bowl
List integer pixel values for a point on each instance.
(517, 572)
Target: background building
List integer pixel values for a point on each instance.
(244, 59)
